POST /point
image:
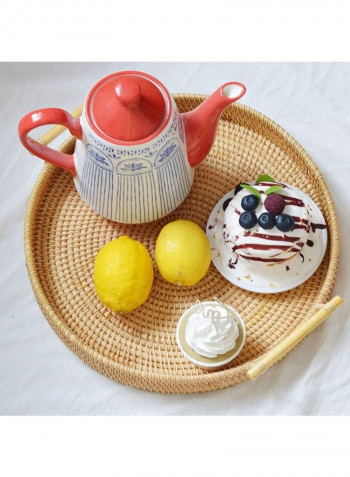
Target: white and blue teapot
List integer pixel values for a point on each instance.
(135, 153)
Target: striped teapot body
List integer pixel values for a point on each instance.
(138, 183)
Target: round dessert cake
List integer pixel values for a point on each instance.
(267, 237)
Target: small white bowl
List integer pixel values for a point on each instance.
(202, 361)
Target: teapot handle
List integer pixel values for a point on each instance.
(43, 117)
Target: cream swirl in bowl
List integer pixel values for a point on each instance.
(211, 331)
(210, 334)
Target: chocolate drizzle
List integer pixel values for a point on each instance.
(309, 243)
(272, 184)
(317, 226)
(260, 246)
(305, 224)
(259, 259)
(299, 223)
(237, 211)
(278, 238)
(232, 264)
(293, 201)
(226, 203)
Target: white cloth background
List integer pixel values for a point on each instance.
(39, 375)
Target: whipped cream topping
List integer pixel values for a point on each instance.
(211, 331)
(268, 246)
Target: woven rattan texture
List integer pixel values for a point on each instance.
(63, 236)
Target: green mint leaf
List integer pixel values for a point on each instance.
(252, 190)
(273, 189)
(264, 178)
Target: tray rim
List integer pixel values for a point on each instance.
(158, 379)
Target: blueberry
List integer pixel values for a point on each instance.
(250, 202)
(284, 222)
(248, 220)
(225, 204)
(266, 221)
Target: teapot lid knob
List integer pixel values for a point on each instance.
(128, 91)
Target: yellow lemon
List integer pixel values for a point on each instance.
(182, 252)
(123, 274)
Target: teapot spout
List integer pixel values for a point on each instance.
(202, 122)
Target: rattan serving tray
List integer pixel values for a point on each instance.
(63, 236)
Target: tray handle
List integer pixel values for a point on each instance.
(276, 353)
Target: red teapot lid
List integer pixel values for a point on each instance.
(128, 107)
